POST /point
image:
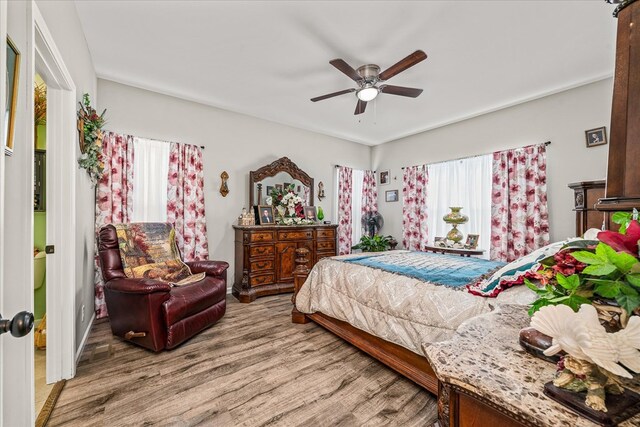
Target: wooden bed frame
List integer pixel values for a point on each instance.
(457, 407)
(398, 358)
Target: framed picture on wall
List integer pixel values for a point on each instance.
(391, 196)
(595, 137)
(384, 177)
(13, 75)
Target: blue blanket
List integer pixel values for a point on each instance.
(448, 270)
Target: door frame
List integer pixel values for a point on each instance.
(3, 66)
(61, 197)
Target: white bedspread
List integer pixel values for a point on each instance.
(396, 308)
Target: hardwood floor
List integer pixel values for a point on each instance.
(253, 368)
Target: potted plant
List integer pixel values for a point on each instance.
(376, 243)
(604, 273)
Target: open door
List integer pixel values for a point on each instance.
(27, 29)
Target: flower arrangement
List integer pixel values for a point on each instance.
(602, 272)
(288, 206)
(90, 126)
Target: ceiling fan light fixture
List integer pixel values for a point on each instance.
(367, 93)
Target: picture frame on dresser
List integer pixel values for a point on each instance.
(264, 215)
(310, 213)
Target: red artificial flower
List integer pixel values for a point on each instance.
(623, 242)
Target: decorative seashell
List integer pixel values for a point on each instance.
(582, 336)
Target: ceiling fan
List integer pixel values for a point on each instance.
(368, 76)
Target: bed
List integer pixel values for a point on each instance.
(385, 306)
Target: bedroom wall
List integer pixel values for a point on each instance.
(63, 23)
(233, 142)
(561, 118)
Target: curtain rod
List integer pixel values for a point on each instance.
(477, 155)
(339, 166)
(156, 139)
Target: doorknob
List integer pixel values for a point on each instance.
(19, 326)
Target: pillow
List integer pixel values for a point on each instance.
(515, 272)
(148, 250)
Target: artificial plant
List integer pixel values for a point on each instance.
(90, 126)
(585, 272)
(377, 243)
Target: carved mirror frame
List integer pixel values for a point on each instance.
(283, 164)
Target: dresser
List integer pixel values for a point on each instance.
(265, 256)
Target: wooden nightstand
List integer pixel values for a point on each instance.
(454, 251)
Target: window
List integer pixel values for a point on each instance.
(150, 179)
(465, 183)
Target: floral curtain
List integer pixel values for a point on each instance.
(345, 177)
(185, 201)
(414, 207)
(519, 213)
(369, 193)
(113, 197)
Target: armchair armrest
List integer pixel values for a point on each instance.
(137, 286)
(211, 268)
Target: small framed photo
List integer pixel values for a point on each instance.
(595, 137)
(385, 178)
(264, 214)
(472, 241)
(279, 187)
(269, 190)
(391, 196)
(310, 213)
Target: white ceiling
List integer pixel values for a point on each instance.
(267, 59)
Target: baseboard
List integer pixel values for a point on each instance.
(85, 337)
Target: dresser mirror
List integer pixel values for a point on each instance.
(279, 173)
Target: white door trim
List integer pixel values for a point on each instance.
(3, 66)
(61, 197)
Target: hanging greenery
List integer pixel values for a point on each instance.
(90, 127)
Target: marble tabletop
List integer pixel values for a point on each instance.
(485, 358)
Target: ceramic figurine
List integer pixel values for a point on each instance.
(593, 354)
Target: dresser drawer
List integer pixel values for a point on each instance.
(260, 251)
(263, 279)
(327, 234)
(263, 265)
(261, 236)
(325, 245)
(295, 235)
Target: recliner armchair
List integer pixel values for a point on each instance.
(152, 313)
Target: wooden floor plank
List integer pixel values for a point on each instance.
(253, 368)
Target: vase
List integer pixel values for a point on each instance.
(455, 218)
(320, 213)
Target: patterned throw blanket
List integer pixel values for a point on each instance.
(148, 250)
(449, 270)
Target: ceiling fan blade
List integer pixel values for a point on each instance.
(360, 107)
(403, 64)
(331, 95)
(411, 92)
(346, 69)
